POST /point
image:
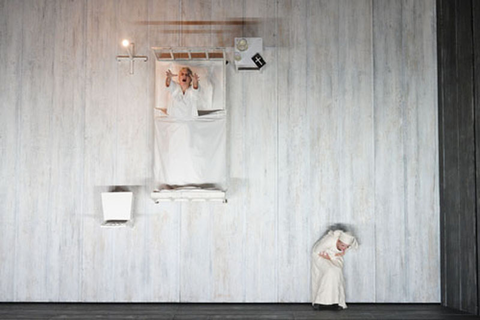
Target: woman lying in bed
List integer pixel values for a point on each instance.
(184, 94)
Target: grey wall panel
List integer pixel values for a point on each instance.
(294, 160)
(98, 245)
(405, 156)
(421, 165)
(448, 136)
(133, 125)
(458, 150)
(353, 117)
(466, 157)
(476, 89)
(63, 235)
(390, 173)
(261, 188)
(228, 252)
(162, 229)
(11, 22)
(35, 153)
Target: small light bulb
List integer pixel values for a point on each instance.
(242, 44)
(125, 43)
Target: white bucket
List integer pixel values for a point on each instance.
(117, 206)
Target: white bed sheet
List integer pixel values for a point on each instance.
(191, 152)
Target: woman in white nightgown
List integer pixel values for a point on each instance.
(328, 283)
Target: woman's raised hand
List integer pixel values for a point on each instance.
(170, 74)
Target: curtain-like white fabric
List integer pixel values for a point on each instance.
(191, 152)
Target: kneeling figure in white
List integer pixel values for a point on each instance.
(328, 283)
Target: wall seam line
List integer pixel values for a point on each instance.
(374, 148)
(50, 135)
(475, 162)
(277, 214)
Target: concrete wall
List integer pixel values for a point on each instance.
(340, 127)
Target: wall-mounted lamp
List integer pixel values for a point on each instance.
(131, 54)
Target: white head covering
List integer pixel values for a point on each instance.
(349, 239)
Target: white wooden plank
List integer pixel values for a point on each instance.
(355, 85)
(229, 227)
(35, 154)
(260, 200)
(321, 52)
(196, 252)
(421, 151)
(260, 161)
(98, 247)
(261, 175)
(261, 276)
(323, 118)
(162, 221)
(66, 146)
(323, 96)
(163, 30)
(227, 221)
(196, 245)
(389, 111)
(294, 153)
(133, 108)
(162, 242)
(341, 131)
(11, 26)
(227, 252)
(226, 22)
(260, 20)
(195, 32)
(132, 157)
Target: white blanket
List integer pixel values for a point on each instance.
(191, 152)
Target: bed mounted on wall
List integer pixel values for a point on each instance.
(190, 153)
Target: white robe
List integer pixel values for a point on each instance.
(328, 283)
(183, 106)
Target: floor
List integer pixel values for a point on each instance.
(141, 311)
